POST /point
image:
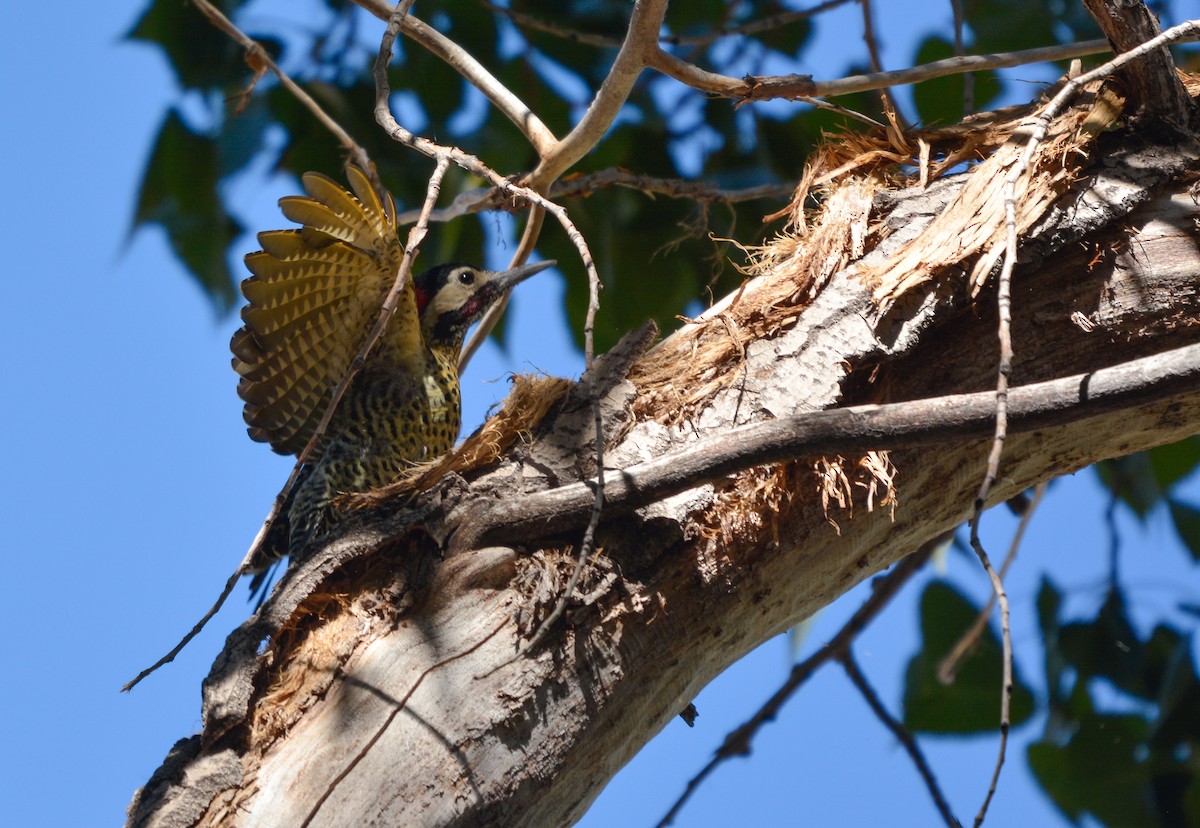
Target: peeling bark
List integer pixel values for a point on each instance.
(394, 689)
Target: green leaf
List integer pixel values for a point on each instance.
(179, 193)
(1132, 480)
(1049, 605)
(1172, 463)
(940, 101)
(1108, 648)
(1171, 675)
(1098, 771)
(202, 56)
(971, 704)
(1187, 525)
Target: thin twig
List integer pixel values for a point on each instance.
(737, 742)
(797, 86)
(1038, 127)
(589, 534)
(460, 60)
(468, 162)
(948, 666)
(846, 659)
(873, 55)
(960, 20)
(480, 199)
(258, 58)
(764, 24)
(1004, 306)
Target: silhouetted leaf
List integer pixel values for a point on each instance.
(1187, 525)
(179, 193)
(1098, 771)
(971, 704)
(202, 56)
(1107, 647)
(940, 101)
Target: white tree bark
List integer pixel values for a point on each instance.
(394, 690)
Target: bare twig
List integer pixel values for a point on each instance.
(537, 24)
(872, 42)
(258, 58)
(960, 20)
(798, 86)
(485, 198)
(1038, 126)
(948, 667)
(513, 191)
(738, 741)
(775, 21)
(1004, 306)
(846, 659)
(589, 533)
(536, 132)
(764, 24)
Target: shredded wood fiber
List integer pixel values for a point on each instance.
(844, 176)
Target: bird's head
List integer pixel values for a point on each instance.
(451, 297)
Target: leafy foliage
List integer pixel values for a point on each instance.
(1132, 761)
(1147, 480)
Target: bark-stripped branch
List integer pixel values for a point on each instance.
(641, 39)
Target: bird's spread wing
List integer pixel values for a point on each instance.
(313, 295)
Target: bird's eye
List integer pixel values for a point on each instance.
(466, 277)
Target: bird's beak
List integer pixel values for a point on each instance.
(506, 279)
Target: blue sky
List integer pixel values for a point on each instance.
(132, 488)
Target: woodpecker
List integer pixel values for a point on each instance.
(313, 295)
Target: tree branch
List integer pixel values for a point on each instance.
(1155, 90)
(752, 88)
(847, 431)
(641, 40)
(846, 659)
